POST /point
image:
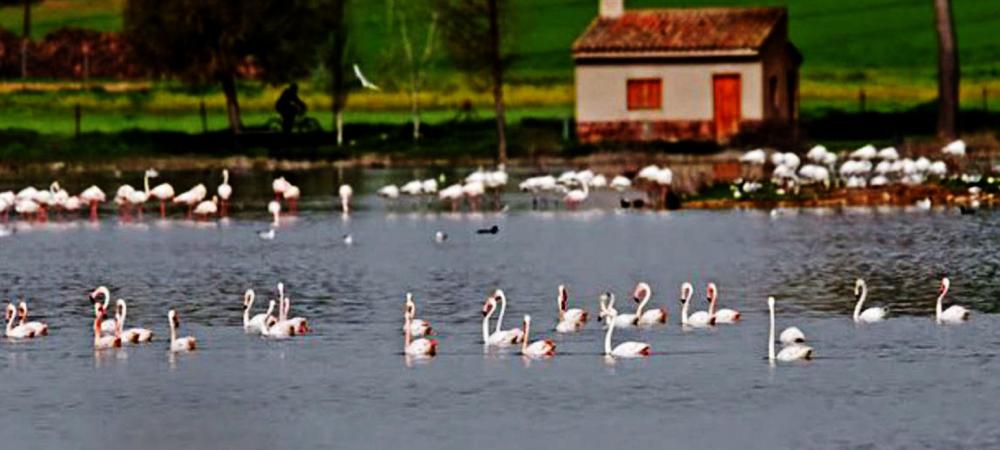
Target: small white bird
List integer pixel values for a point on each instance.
(267, 235)
(364, 81)
(440, 236)
(348, 239)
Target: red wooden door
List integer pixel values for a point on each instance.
(726, 91)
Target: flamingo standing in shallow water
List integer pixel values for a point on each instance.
(345, 192)
(539, 349)
(183, 344)
(225, 191)
(954, 313)
(163, 192)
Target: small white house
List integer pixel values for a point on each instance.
(684, 73)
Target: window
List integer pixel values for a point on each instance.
(645, 93)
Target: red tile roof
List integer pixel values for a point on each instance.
(680, 30)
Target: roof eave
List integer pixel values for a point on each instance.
(661, 54)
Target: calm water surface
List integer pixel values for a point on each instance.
(903, 383)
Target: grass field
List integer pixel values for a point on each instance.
(885, 47)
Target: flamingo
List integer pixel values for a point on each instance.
(225, 191)
(793, 352)
(620, 183)
(570, 319)
(474, 191)
(630, 349)
(389, 191)
(183, 344)
(299, 324)
(870, 315)
(18, 331)
(497, 338)
(346, 192)
(256, 324)
(641, 295)
(93, 195)
(418, 327)
(131, 335)
(452, 194)
(421, 347)
(699, 319)
(109, 325)
(103, 342)
(722, 315)
(163, 192)
(207, 208)
(515, 332)
(628, 320)
(955, 313)
(544, 348)
(38, 328)
(279, 186)
(291, 195)
(792, 335)
(192, 197)
(576, 196)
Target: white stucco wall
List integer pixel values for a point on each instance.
(687, 91)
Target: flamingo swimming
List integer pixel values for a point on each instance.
(630, 349)
(497, 338)
(131, 335)
(256, 324)
(954, 313)
(539, 349)
(570, 319)
(102, 342)
(420, 347)
(418, 327)
(16, 331)
(698, 319)
(791, 352)
(641, 295)
(870, 315)
(517, 334)
(109, 325)
(183, 344)
(722, 315)
(627, 320)
(38, 328)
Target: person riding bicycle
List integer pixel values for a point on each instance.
(290, 106)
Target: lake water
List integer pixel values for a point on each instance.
(903, 383)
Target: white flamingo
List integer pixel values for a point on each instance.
(699, 319)
(100, 341)
(630, 349)
(257, 323)
(497, 338)
(207, 208)
(183, 344)
(420, 347)
(544, 348)
(418, 327)
(722, 315)
(792, 352)
(570, 319)
(225, 191)
(627, 320)
(874, 314)
(37, 328)
(574, 197)
(792, 335)
(16, 331)
(131, 335)
(517, 334)
(642, 294)
(109, 325)
(163, 193)
(345, 192)
(954, 313)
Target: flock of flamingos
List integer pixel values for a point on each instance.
(34, 204)
(417, 341)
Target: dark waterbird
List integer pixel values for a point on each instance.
(491, 230)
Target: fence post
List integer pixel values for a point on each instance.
(204, 117)
(861, 99)
(76, 119)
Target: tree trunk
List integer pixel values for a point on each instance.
(497, 74)
(25, 37)
(232, 104)
(948, 72)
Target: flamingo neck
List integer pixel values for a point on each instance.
(770, 340)
(407, 337)
(486, 326)
(503, 309)
(10, 323)
(642, 305)
(120, 319)
(684, 310)
(607, 334)
(225, 177)
(938, 308)
(173, 332)
(246, 311)
(524, 342)
(711, 304)
(97, 330)
(861, 302)
(270, 308)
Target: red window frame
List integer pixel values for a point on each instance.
(644, 93)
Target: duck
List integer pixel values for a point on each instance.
(182, 344)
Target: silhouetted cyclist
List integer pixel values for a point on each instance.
(290, 106)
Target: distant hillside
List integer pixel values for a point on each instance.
(845, 40)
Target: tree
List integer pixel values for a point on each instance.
(948, 70)
(334, 55)
(473, 32)
(213, 41)
(417, 23)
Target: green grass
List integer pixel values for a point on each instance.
(861, 40)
